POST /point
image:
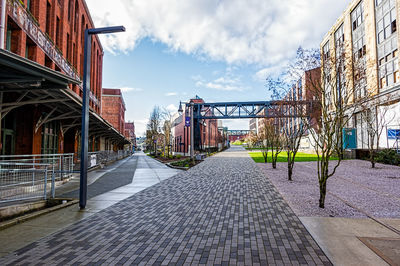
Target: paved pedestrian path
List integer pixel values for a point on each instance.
(104, 180)
(223, 211)
(149, 172)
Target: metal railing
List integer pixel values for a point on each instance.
(60, 165)
(103, 157)
(24, 181)
(24, 177)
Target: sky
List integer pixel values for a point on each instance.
(220, 50)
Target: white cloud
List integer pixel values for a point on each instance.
(140, 126)
(227, 82)
(172, 108)
(235, 31)
(171, 94)
(128, 89)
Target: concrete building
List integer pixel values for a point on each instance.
(41, 69)
(367, 30)
(253, 124)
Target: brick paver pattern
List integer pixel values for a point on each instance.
(223, 211)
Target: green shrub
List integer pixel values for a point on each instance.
(388, 156)
(178, 156)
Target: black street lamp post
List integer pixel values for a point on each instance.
(85, 107)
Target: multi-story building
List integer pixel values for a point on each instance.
(113, 109)
(206, 133)
(130, 132)
(253, 124)
(303, 93)
(41, 70)
(367, 30)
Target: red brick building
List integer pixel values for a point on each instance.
(43, 118)
(206, 134)
(113, 108)
(130, 132)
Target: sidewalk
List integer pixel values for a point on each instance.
(148, 172)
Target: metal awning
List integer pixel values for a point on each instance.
(17, 72)
(24, 82)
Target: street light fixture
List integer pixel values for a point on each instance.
(180, 110)
(85, 107)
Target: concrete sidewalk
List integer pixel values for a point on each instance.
(148, 172)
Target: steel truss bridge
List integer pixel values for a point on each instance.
(257, 109)
(239, 132)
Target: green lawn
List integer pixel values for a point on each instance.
(282, 157)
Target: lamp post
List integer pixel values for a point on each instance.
(85, 107)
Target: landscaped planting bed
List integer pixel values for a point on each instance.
(375, 191)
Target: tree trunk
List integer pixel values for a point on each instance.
(290, 169)
(322, 194)
(273, 163)
(372, 159)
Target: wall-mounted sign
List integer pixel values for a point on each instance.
(29, 26)
(187, 121)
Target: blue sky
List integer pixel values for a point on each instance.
(152, 75)
(220, 50)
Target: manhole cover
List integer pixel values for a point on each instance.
(386, 248)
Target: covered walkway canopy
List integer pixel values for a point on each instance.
(24, 82)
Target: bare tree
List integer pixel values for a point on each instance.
(154, 128)
(263, 140)
(167, 130)
(275, 141)
(375, 116)
(290, 111)
(337, 95)
(251, 139)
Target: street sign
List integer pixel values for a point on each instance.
(393, 134)
(187, 121)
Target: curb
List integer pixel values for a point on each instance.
(177, 167)
(30, 216)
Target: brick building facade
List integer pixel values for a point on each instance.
(130, 132)
(113, 109)
(206, 134)
(51, 33)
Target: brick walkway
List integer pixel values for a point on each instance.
(222, 211)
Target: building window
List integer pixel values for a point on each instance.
(8, 37)
(58, 35)
(326, 51)
(70, 7)
(357, 16)
(76, 16)
(48, 18)
(387, 25)
(30, 49)
(68, 48)
(50, 138)
(339, 36)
